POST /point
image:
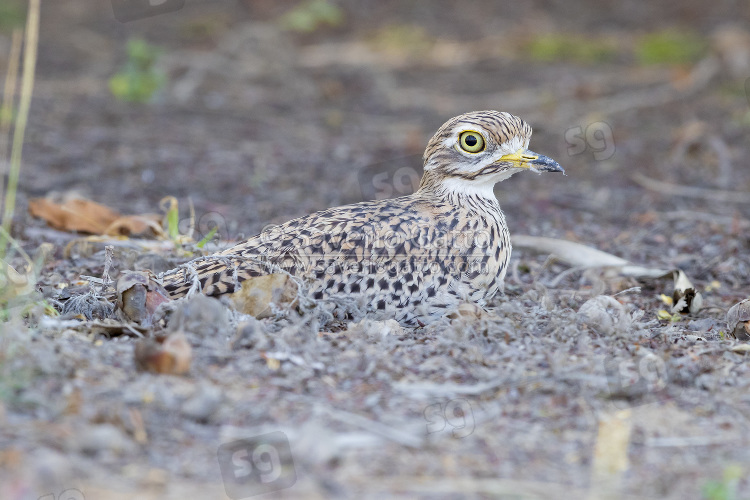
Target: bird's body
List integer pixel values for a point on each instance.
(412, 258)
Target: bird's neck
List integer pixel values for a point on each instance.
(457, 190)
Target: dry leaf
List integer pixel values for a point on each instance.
(664, 315)
(128, 225)
(738, 320)
(86, 216)
(170, 355)
(469, 315)
(577, 255)
(138, 296)
(685, 296)
(611, 451)
(73, 215)
(258, 293)
(13, 283)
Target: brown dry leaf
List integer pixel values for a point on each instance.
(74, 215)
(86, 216)
(138, 295)
(128, 225)
(258, 293)
(169, 355)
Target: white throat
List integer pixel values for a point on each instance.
(477, 188)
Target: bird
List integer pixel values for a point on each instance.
(414, 258)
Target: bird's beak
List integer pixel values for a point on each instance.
(524, 158)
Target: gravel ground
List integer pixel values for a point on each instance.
(568, 386)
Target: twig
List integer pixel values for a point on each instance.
(680, 441)
(390, 433)
(668, 188)
(557, 279)
(635, 289)
(446, 390)
(109, 252)
(725, 220)
(699, 78)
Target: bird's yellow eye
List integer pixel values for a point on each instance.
(471, 142)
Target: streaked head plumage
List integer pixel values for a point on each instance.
(482, 148)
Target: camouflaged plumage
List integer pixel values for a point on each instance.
(412, 258)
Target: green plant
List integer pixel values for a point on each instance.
(402, 38)
(12, 14)
(571, 47)
(310, 15)
(21, 119)
(208, 237)
(139, 79)
(670, 47)
(726, 489)
(13, 378)
(17, 290)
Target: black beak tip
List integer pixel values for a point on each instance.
(547, 164)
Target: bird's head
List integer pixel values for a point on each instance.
(472, 152)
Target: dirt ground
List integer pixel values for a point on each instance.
(561, 391)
